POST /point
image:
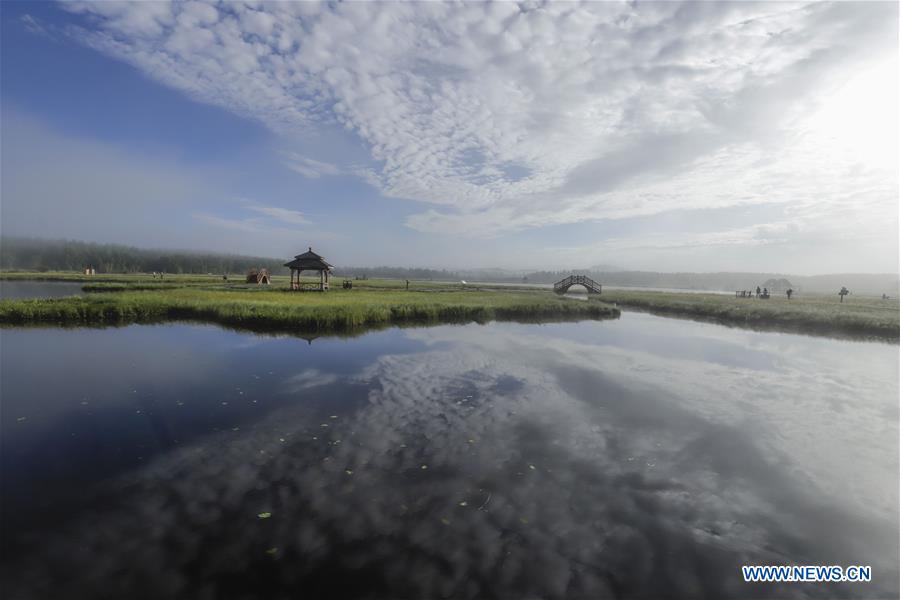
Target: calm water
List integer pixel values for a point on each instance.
(644, 457)
(10, 290)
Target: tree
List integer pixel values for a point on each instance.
(844, 291)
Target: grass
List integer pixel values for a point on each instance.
(267, 308)
(381, 302)
(856, 316)
(122, 281)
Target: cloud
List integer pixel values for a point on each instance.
(35, 26)
(273, 218)
(308, 167)
(508, 116)
(284, 215)
(275, 227)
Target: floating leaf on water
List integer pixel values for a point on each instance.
(315, 438)
(348, 472)
(523, 520)
(272, 551)
(333, 416)
(324, 425)
(280, 439)
(235, 428)
(20, 419)
(531, 467)
(445, 521)
(137, 412)
(463, 503)
(224, 403)
(424, 466)
(264, 515)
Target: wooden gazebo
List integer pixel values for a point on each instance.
(310, 261)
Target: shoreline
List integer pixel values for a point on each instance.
(281, 311)
(117, 300)
(861, 320)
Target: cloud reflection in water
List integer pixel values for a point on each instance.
(515, 461)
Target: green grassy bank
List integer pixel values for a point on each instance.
(856, 316)
(276, 308)
(382, 302)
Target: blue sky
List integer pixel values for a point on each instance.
(690, 137)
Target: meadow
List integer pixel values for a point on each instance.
(856, 316)
(368, 304)
(126, 298)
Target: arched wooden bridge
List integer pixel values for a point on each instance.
(561, 287)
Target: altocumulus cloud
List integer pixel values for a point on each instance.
(507, 116)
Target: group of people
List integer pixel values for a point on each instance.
(760, 293)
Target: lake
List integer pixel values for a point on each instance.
(17, 290)
(642, 457)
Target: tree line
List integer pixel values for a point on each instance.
(28, 254)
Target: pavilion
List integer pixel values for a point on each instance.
(310, 261)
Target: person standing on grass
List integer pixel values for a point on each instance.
(757, 291)
(789, 292)
(407, 285)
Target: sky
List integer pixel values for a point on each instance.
(665, 136)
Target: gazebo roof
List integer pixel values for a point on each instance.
(309, 261)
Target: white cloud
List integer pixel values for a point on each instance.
(284, 215)
(309, 167)
(509, 116)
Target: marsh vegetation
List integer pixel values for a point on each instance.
(119, 299)
(273, 307)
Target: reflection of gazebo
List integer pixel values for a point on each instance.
(310, 261)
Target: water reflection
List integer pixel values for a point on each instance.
(575, 460)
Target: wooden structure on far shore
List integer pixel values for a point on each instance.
(258, 276)
(562, 286)
(310, 261)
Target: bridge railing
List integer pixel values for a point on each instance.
(564, 284)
